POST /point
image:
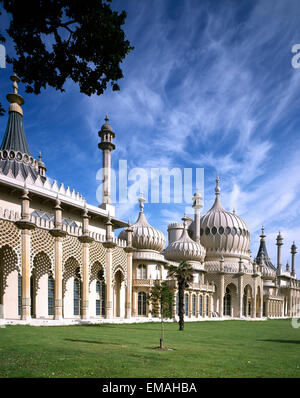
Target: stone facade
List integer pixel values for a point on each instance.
(61, 261)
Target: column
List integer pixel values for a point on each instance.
(26, 300)
(221, 296)
(26, 226)
(128, 294)
(109, 287)
(58, 234)
(134, 301)
(240, 291)
(58, 278)
(197, 305)
(128, 304)
(85, 280)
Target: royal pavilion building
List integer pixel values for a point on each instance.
(65, 261)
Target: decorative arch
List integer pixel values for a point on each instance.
(41, 265)
(247, 300)
(95, 268)
(8, 263)
(71, 269)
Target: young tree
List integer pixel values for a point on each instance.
(161, 298)
(59, 39)
(184, 275)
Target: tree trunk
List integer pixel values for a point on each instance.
(162, 330)
(181, 306)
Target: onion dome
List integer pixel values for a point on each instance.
(144, 236)
(224, 233)
(185, 248)
(106, 126)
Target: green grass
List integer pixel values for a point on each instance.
(204, 349)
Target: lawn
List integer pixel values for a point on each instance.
(204, 349)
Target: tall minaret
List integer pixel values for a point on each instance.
(197, 205)
(106, 145)
(293, 251)
(279, 243)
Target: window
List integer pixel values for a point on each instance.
(207, 305)
(32, 296)
(76, 296)
(186, 305)
(227, 303)
(142, 271)
(19, 295)
(201, 306)
(50, 295)
(158, 272)
(214, 230)
(227, 230)
(142, 303)
(194, 305)
(207, 230)
(221, 230)
(100, 294)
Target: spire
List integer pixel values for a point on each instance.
(217, 203)
(262, 253)
(14, 137)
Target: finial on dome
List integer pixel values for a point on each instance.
(142, 200)
(217, 188)
(233, 211)
(106, 118)
(184, 219)
(262, 236)
(15, 99)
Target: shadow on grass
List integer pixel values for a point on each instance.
(91, 342)
(283, 341)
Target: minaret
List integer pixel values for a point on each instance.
(293, 251)
(106, 145)
(41, 167)
(14, 137)
(279, 243)
(197, 205)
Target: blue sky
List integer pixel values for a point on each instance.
(209, 84)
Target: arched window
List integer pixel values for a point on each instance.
(77, 294)
(186, 305)
(100, 294)
(142, 303)
(194, 305)
(50, 295)
(201, 306)
(158, 272)
(19, 295)
(142, 271)
(227, 303)
(207, 305)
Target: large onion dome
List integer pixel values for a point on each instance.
(224, 233)
(185, 248)
(144, 236)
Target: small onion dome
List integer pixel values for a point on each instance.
(106, 126)
(144, 236)
(40, 162)
(223, 232)
(185, 248)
